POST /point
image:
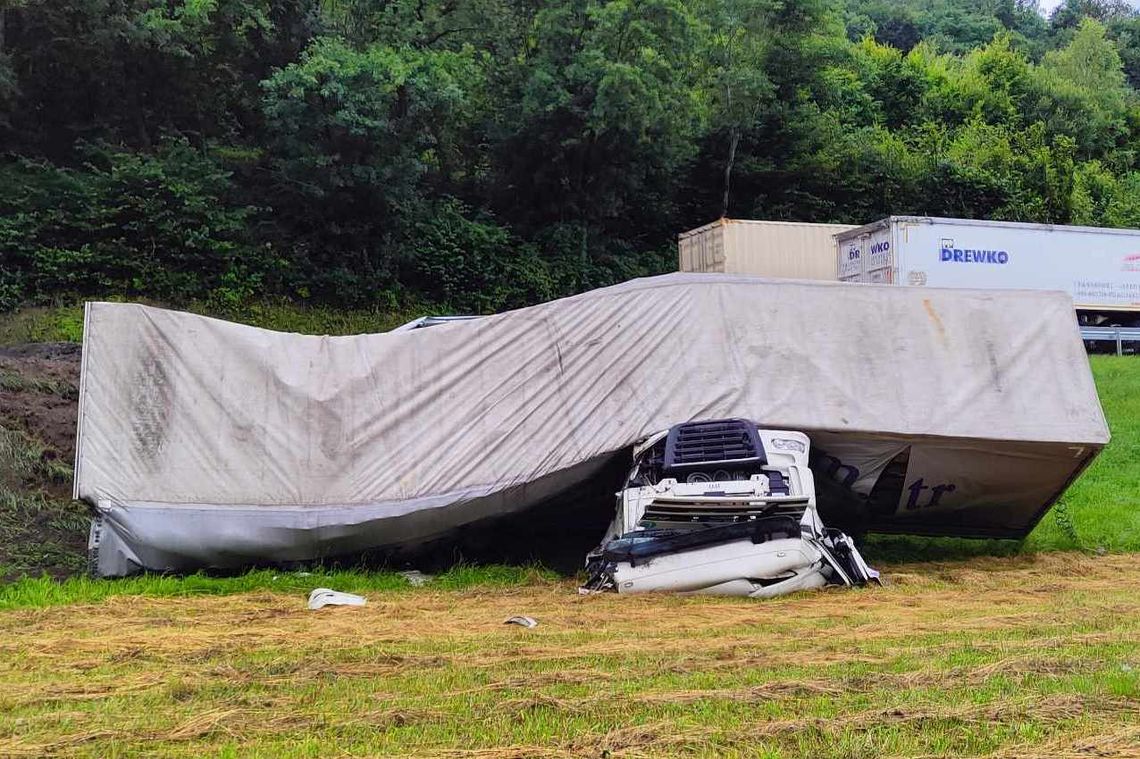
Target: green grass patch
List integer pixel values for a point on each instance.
(52, 324)
(315, 320)
(43, 591)
(43, 324)
(1102, 508)
(18, 383)
(23, 464)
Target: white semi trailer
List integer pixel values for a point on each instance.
(1099, 268)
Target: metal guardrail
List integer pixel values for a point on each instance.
(1119, 335)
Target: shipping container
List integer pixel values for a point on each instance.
(767, 248)
(1098, 267)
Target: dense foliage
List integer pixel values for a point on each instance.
(483, 154)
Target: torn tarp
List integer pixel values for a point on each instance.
(204, 443)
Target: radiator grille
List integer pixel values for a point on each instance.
(699, 444)
(730, 511)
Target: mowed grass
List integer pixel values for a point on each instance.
(1013, 657)
(1034, 654)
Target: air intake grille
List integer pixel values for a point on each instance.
(701, 444)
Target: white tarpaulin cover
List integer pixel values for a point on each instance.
(207, 443)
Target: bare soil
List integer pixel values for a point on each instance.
(41, 528)
(45, 407)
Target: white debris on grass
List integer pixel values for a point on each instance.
(321, 597)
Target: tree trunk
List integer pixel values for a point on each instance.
(728, 169)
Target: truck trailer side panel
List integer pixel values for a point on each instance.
(765, 248)
(1099, 268)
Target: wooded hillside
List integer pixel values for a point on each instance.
(482, 154)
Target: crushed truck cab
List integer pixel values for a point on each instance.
(722, 507)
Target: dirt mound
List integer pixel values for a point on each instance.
(41, 528)
(65, 352)
(39, 389)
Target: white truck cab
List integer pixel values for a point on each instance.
(722, 507)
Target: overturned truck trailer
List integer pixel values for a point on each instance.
(209, 444)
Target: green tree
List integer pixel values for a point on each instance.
(358, 138)
(130, 71)
(164, 226)
(1082, 92)
(597, 120)
(481, 154)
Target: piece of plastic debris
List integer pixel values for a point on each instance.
(328, 597)
(415, 577)
(521, 621)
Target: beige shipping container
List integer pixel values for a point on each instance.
(768, 248)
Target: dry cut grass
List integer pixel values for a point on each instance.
(1019, 657)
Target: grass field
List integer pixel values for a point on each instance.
(1018, 651)
(1102, 508)
(1013, 657)
(65, 323)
